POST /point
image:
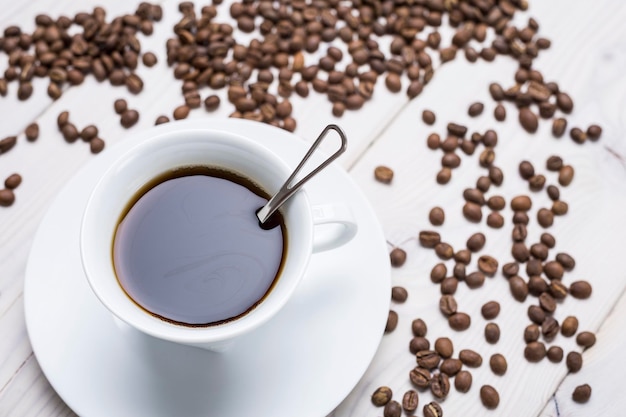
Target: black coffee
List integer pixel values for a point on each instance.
(189, 249)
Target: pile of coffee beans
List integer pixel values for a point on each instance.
(71, 133)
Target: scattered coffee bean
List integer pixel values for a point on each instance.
(549, 328)
(499, 113)
(129, 118)
(489, 397)
(555, 354)
(443, 176)
(436, 216)
(383, 174)
(548, 240)
(450, 366)
(13, 181)
(586, 339)
(566, 261)
(418, 343)
(559, 126)
(392, 409)
(519, 288)
(399, 294)
(476, 242)
(510, 269)
(553, 192)
(444, 251)
(532, 333)
(428, 117)
(498, 364)
(438, 273)
(488, 265)
(7, 144)
(580, 289)
(594, 132)
(566, 174)
(181, 112)
(547, 302)
(475, 109)
(69, 132)
(459, 321)
(428, 359)
(535, 351)
(420, 377)
(574, 361)
(521, 203)
(444, 347)
(96, 145)
(528, 120)
(7, 197)
(472, 212)
(554, 163)
(492, 333)
(432, 409)
(545, 217)
(463, 256)
(536, 314)
(456, 130)
(536, 182)
(63, 119)
(496, 203)
(475, 279)
(447, 305)
(419, 328)
(32, 132)
(463, 381)
(211, 103)
(433, 141)
(392, 321)
(88, 133)
(564, 102)
(578, 135)
(557, 289)
(397, 257)
(410, 400)
(526, 170)
(149, 59)
(490, 310)
(120, 105)
(581, 393)
(440, 385)
(470, 358)
(161, 120)
(569, 326)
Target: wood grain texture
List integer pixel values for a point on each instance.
(587, 58)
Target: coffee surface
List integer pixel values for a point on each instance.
(190, 250)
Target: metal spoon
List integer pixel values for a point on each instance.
(287, 190)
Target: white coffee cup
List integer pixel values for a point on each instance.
(167, 150)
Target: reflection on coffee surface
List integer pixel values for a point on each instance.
(189, 248)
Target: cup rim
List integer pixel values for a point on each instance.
(160, 328)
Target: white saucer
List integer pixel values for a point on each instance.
(303, 362)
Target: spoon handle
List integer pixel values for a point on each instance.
(287, 190)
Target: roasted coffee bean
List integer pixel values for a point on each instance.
(548, 240)
(520, 252)
(470, 358)
(392, 409)
(181, 112)
(449, 285)
(547, 302)
(521, 203)
(475, 109)
(545, 217)
(536, 182)
(440, 385)
(553, 192)
(488, 265)
(537, 285)
(489, 397)
(553, 270)
(566, 261)
(420, 377)
(498, 364)
(526, 170)
(555, 354)
(444, 251)
(581, 394)
(566, 174)
(129, 118)
(32, 132)
(519, 233)
(569, 326)
(495, 220)
(532, 333)
(463, 256)
(476, 242)
(211, 103)
(428, 117)
(510, 269)
(444, 347)
(383, 174)
(520, 217)
(549, 328)
(459, 271)
(392, 321)
(560, 208)
(554, 163)
(149, 59)
(120, 105)
(399, 294)
(456, 130)
(450, 366)
(472, 212)
(419, 328)
(443, 176)
(450, 160)
(578, 135)
(535, 351)
(418, 343)
(499, 113)
(496, 202)
(433, 141)
(432, 409)
(397, 257)
(69, 132)
(88, 133)
(564, 102)
(496, 91)
(134, 84)
(7, 197)
(586, 339)
(447, 305)
(410, 400)
(580, 289)
(528, 120)
(459, 321)
(475, 279)
(438, 273)
(428, 359)
(536, 314)
(162, 119)
(483, 183)
(538, 251)
(474, 195)
(490, 310)
(594, 132)
(519, 288)
(492, 333)
(96, 145)
(450, 144)
(557, 289)
(574, 361)
(463, 381)
(487, 157)
(13, 181)
(63, 119)
(559, 126)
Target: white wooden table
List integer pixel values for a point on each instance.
(588, 60)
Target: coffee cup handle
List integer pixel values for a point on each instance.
(334, 226)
